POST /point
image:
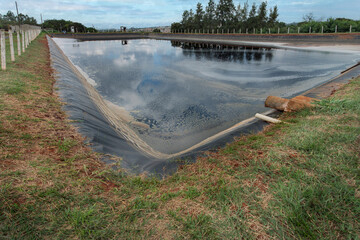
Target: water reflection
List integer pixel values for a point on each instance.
(180, 93)
(221, 52)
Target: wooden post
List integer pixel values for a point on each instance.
(23, 40)
(11, 40)
(3, 50)
(18, 43)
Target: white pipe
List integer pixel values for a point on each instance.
(267, 119)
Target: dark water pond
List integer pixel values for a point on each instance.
(178, 94)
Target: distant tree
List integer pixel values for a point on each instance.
(273, 15)
(199, 16)
(309, 17)
(185, 17)
(63, 25)
(262, 15)
(156, 30)
(252, 19)
(91, 30)
(210, 15)
(176, 26)
(245, 12)
(225, 13)
(10, 17)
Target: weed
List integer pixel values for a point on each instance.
(66, 145)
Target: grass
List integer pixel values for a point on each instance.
(293, 181)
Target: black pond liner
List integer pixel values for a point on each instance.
(104, 139)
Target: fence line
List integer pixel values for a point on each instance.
(288, 30)
(27, 33)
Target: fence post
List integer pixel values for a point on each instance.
(288, 30)
(336, 29)
(309, 29)
(3, 50)
(23, 40)
(26, 39)
(261, 31)
(322, 29)
(18, 42)
(269, 31)
(298, 30)
(254, 30)
(278, 30)
(11, 40)
(247, 31)
(350, 28)
(240, 31)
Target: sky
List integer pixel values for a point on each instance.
(104, 14)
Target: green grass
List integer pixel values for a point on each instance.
(293, 181)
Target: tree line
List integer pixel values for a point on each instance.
(58, 25)
(329, 26)
(11, 19)
(225, 15)
(65, 25)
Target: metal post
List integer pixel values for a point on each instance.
(11, 40)
(3, 51)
